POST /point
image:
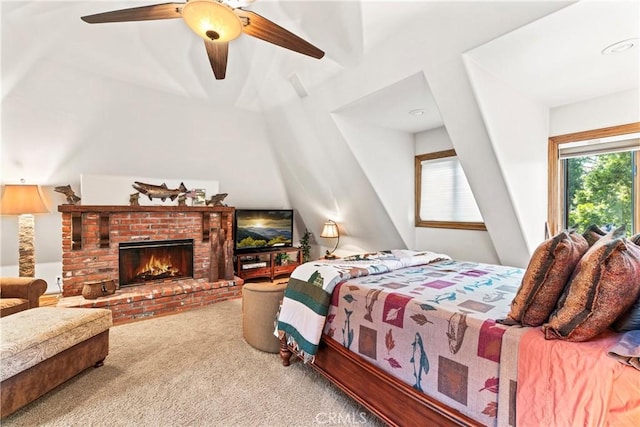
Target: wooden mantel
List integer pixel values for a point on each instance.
(154, 208)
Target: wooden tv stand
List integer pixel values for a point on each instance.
(268, 263)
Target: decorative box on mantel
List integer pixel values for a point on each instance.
(92, 237)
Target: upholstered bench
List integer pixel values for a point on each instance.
(260, 304)
(43, 347)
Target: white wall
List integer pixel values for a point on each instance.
(605, 111)
(116, 190)
(50, 272)
(469, 245)
(432, 140)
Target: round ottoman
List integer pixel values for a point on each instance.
(260, 304)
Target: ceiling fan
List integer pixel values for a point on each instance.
(217, 22)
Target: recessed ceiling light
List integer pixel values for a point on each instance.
(621, 46)
(417, 112)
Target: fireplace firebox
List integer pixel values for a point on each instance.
(145, 261)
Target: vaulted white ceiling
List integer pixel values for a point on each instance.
(165, 55)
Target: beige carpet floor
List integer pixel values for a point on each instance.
(192, 369)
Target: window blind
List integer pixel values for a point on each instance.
(630, 142)
(446, 194)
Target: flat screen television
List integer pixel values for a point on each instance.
(262, 229)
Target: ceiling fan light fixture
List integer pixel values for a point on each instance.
(211, 20)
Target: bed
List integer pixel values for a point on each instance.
(413, 337)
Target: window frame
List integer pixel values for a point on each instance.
(556, 173)
(419, 222)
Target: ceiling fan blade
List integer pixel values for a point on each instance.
(218, 53)
(143, 13)
(262, 28)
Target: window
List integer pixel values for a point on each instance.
(443, 196)
(593, 179)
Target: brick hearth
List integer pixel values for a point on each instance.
(90, 242)
(157, 299)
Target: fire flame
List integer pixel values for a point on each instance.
(157, 267)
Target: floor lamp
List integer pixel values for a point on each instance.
(24, 201)
(330, 230)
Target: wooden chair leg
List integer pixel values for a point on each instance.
(285, 353)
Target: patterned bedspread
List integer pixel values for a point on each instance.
(306, 299)
(433, 327)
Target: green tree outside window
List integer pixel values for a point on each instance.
(600, 191)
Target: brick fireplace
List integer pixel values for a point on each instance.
(93, 236)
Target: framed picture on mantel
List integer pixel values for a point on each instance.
(199, 197)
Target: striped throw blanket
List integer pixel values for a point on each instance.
(308, 294)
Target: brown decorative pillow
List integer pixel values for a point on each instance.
(593, 233)
(548, 271)
(605, 284)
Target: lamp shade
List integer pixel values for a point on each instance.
(22, 199)
(212, 20)
(329, 230)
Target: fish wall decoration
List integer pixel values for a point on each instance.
(161, 192)
(72, 198)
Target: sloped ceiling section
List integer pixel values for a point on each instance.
(406, 106)
(336, 26)
(325, 181)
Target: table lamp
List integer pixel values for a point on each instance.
(330, 230)
(24, 201)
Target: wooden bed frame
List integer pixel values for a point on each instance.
(372, 388)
